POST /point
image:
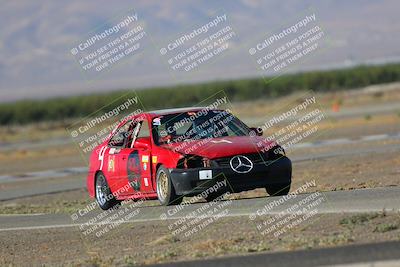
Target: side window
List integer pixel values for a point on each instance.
(122, 136)
(144, 130)
(141, 129)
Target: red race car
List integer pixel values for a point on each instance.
(168, 154)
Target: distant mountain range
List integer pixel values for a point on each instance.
(36, 38)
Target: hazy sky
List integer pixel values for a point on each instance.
(36, 39)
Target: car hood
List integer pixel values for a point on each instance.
(222, 147)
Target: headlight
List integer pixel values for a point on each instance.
(193, 161)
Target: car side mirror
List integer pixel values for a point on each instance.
(256, 131)
(143, 143)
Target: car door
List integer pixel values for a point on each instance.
(143, 145)
(134, 161)
(113, 155)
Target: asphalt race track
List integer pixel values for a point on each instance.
(361, 200)
(334, 202)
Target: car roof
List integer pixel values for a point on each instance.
(161, 112)
(173, 110)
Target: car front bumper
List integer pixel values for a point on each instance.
(187, 181)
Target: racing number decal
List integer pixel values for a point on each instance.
(134, 173)
(101, 156)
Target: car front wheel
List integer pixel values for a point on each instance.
(278, 189)
(165, 189)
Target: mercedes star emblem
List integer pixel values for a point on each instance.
(241, 164)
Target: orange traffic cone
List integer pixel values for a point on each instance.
(335, 107)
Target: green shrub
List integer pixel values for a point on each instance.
(27, 111)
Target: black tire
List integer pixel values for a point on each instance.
(104, 197)
(211, 196)
(278, 189)
(165, 189)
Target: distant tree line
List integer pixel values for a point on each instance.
(56, 109)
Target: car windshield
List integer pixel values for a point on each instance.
(195, 125)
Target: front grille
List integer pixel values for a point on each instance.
(256, 158)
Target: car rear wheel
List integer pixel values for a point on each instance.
(165, 189)
(104, 197)
(278, 189)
